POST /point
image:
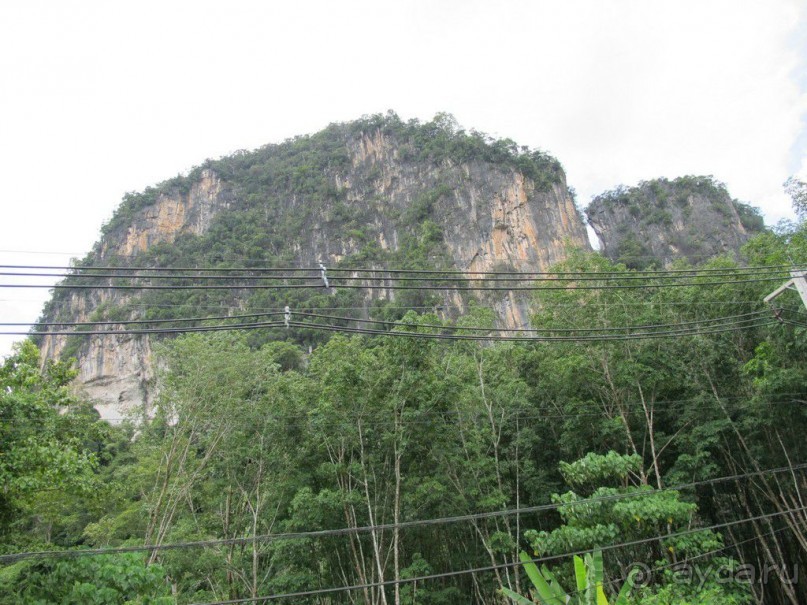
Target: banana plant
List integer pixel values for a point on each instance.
(588, 573)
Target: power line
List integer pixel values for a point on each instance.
(305, 305)
(488, 568)
(219, 328)
(12, 557)
(532, 330)
(316, 270)
(577, 277)
(690, 558)
(141, 321)
(660, 405)
(337, 285)
(616, 337)
(396, 323)
(716, 327)
(41, 252)
(368, 307)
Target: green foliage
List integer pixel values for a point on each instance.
(595, 468)
(101, 580)
(750, 218)
(634, 253)
(41, 448)
(651, 217)
(304, 445)
(797, 190)
(589, 581)
(627, 514)
(253, 436)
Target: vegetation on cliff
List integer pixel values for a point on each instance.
(283, 193)
(691, 217)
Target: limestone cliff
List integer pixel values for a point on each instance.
(118, 372)
(173, 212)
(660, 221)
(373, 193)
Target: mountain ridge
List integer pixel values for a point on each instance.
(376, 192)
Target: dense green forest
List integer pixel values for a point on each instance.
(269, 470)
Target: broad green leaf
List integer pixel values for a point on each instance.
(545, 593)
(596, 558)
(556, 587)
(591, 582)
(580, 574)
(516, 597)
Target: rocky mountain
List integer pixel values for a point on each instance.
(375, 193)
(662, 220)
(378, 192)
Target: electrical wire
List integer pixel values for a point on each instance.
(715, 327)
(12, 557)
(491, 338)
(434, 417)
(599, 277)
(690, 558)
(488, 568)
(219, 328)
(396, 323)
(426, 416)
(460, 272)
(139, 321)
(337, 285)
(437, 307)
(530, 330)
(41, 252)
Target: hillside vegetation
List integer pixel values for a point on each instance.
(662, 220)
(251, 442)
(314, 198)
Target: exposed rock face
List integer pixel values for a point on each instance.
(172, 214)
(488, 214)
(485, 214)
(118, 373)
(661, 221)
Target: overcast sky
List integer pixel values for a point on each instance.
(100, 98)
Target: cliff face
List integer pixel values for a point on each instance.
(487, 214)
(372, 193)
(118, 372)
(661, 221)
(173, 213)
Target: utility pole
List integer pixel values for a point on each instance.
(797, 281)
